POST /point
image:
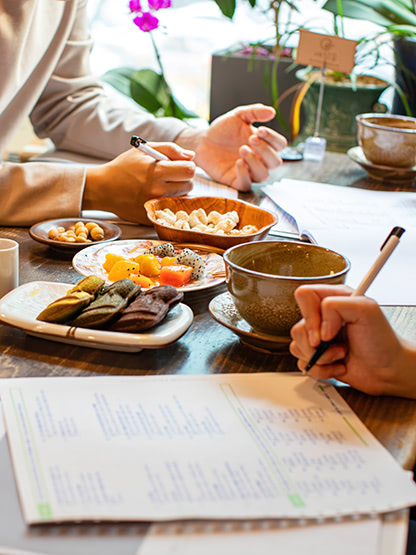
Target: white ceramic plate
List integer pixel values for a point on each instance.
(20, 307)
(90, 260)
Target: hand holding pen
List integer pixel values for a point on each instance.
(386, 250)
(369, 353)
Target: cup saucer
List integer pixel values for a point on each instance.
(224, 312)
(379, 172)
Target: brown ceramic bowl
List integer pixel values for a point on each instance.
(263, 276)
(248, 214)
(387, 139)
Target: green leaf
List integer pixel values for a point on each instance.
(119, 78)
(148, 89)
(382, 12)
(227, 7)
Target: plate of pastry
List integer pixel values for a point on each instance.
(22, 306)
(151, 263)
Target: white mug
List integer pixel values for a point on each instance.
(9, 265)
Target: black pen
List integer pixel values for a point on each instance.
(141, 144)
(386, 250)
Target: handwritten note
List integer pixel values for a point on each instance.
(326, 51)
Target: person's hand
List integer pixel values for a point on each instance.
(367, 354)
(124, 184)
(233, 151)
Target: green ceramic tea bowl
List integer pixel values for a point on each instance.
(262, 277)
(388, 139)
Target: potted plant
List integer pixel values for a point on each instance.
(258, 72)
(344, 96)
(398, 17)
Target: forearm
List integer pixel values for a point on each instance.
(191, 139)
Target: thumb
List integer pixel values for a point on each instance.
(255, 112)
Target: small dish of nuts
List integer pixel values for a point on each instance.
(73, 234)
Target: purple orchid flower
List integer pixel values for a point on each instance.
(159, 4)
(135, 6)
(146, 22)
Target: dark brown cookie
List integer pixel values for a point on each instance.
(143, 313)
(167, 293)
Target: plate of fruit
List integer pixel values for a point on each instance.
(150, 263)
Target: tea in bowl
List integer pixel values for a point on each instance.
(262, 277)
(387, 139)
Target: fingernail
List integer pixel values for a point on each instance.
(262, 133)
(314, 338)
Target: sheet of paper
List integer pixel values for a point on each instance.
(263, 538)
(318, 206)
(180, 447)
(355, 222)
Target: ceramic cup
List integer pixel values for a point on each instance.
(9, 265)
(387, 139)
(262, 277)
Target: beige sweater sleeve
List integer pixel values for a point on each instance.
(45, 47)
(39, 191)
(78, 116)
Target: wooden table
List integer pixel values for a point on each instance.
(207, 347)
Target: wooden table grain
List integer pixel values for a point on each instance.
(207, 347)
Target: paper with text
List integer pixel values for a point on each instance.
(355, 223)
(180, 447)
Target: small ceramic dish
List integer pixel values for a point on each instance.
(21, 306)
(39, 232)
(248, 215)
(223, 310)
(381, 173)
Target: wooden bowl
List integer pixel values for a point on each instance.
(248, 214)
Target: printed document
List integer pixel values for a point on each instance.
(237, 446)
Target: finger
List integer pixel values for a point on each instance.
(255, 112)
(301, 348)
(271, 137)
(242, 180)
(173, 151)
(256, 168)
(309, 302)
(310, 299)
(174, 170)
(337, 370)
(267, 154)
(178, 188)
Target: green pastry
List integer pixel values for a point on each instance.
(77, 298)
(65, 308)
(105, 308)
